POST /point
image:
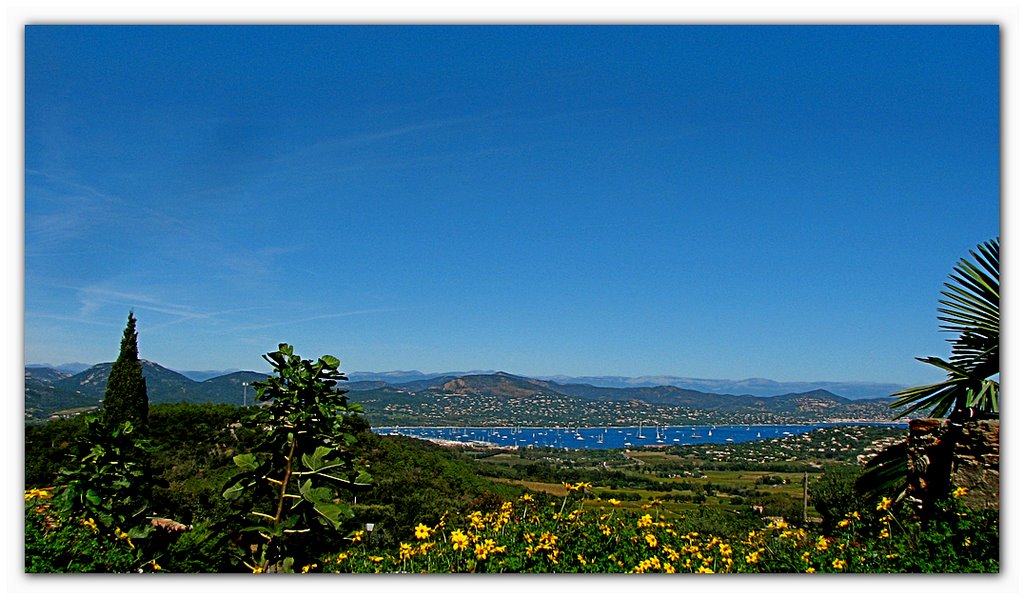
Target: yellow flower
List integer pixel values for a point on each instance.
(405, 551)
(526, 498)
(703, 569)
(668, 568)
(39, 493)
(884, 504)
(614, 502)
(422, 532)
(309, 568)
(960, 492)
(822, 544)
(651, 540)
(843, 523)
(459, 540)
(358, 536)
(855, 515)
(644, 521)
(809, 570)
(90, 524)
(342, 556)
(754, 557)
(838, 564)
(155, 566)
(883, 534)
(375, 559)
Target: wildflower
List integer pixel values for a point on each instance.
(884, 534)
(257, 569)
(884, 504)
(668, 568)
(838, 564)
(614, 502)
(725, 550)
(967, 542)
(607, 531)
(754, 557)
(426, 546)
(38, 493)
(843, 523)
(960, 492)
(341, 556)
(481, 552)
(651, 540)
(375, 559)
(644, 521)
(90, 524)
(854, 515)
(422, 532)
(809, 570)
(579, 557)
(405, 551)
(459, 540)
(308, 568)
(357, 537)
(703, 569)
(526, 498)
(822, 544)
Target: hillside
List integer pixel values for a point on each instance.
(496, 398)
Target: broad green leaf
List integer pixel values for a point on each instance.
(247, 461)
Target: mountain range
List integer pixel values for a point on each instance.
(50, 389)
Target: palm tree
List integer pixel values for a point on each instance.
(970, 309)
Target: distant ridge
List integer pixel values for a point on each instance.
(749, 386)
(49, 389)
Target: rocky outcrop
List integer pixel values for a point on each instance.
(944, 456)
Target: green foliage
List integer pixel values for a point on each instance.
(125, 399)
(834, 494)
(292, 487)
(59, 544)
(107, 477)
(971, 310)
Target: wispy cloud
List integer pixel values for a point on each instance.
(319, 317)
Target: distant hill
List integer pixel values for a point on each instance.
(66, 368)
(48, 390)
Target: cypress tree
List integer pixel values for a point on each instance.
(125, 398)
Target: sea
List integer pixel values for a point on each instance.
(610, 437)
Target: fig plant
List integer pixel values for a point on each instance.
(293, 489)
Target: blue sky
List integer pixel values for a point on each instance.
(720, 202)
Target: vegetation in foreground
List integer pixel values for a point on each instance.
(574, 535)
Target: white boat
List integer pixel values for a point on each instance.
(640, 431)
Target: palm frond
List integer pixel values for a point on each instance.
(970, 308)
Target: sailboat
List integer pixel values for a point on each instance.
(600, 438)
(658, 435)
(640, 432)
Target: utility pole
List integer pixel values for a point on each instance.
(805, 497)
